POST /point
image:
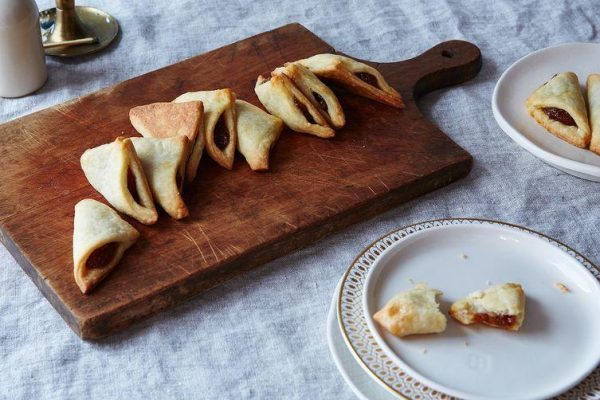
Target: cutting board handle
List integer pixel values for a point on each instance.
(449, 63)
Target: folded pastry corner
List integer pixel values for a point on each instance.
(355, 76)
(100, 238)
(283, 99)
(219, 125)
(500, 306)
(163, 161)
(161, 120)
(593, 95)
(115, 171)
(258, 131)
(558, 106)
(415, 311)
(316, 92)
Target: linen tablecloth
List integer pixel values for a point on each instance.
(262, 335)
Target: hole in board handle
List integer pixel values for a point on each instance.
(447, 54)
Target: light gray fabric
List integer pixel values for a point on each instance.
(263, 335)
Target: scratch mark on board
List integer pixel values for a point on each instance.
(188, 236)
(208, 241)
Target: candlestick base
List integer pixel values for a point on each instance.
(59, 26)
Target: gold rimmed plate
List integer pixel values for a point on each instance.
(555, 349)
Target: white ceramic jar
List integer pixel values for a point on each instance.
(22, 59)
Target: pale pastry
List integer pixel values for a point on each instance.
(415, 311)
(161, 120)
(316, 92)
(593, 96)
(500, 306)
(558, 106)
(114, 170)
(100, 238)
(258, 132)
(355, 76)
(219, 126)
(283, 99)
(163, 161)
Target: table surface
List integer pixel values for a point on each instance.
(263, 335)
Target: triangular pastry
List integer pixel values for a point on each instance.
(100, 238)
(415, 311)
(161, 120)
(219, 125)
(558, 106)
(316, 92)
(114, 170)
(283, 99)
(500, 306)
(355, 76)
(258, 132)
(163, 161)
(593, 95)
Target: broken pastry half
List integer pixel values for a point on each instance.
(219, 126)
(558, 106)
(316, 92)
(593, 95)
(258, 132)
(355, 76)
(162, 120)
(100, 238)
(500, 306)
(114, 170)
(415, 311)
(283, 99)
(163, 161)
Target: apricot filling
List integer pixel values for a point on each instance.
(305, 111)
(367, 78)
(132, 187)
(102, 256)
(320, 100)
(500, 321)
(221, 134)
(560, 115)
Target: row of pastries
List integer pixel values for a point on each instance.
(134, 173)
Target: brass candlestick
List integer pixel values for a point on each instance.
(69, 30)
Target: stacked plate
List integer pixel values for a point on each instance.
(555, 353)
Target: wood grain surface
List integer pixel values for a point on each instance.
(239, 218)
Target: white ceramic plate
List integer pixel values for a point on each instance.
(361, 383)
(520, 80)
(555, 349)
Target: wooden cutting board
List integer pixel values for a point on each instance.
(239, 218)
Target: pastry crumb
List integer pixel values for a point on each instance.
(488, 282)
(411, 281)
(562, 287)
(424, 351)
(463, 256)
(466, 344)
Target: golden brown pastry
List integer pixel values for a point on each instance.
(219, 125)
(100, 238)
(161, 120)
(316, 92)
(558, 106)
(593, 95)
(115, 171)
(163, 161)
(258, 132)
(283, 99)
(500, 306)
(355, 76)
(415, 311)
